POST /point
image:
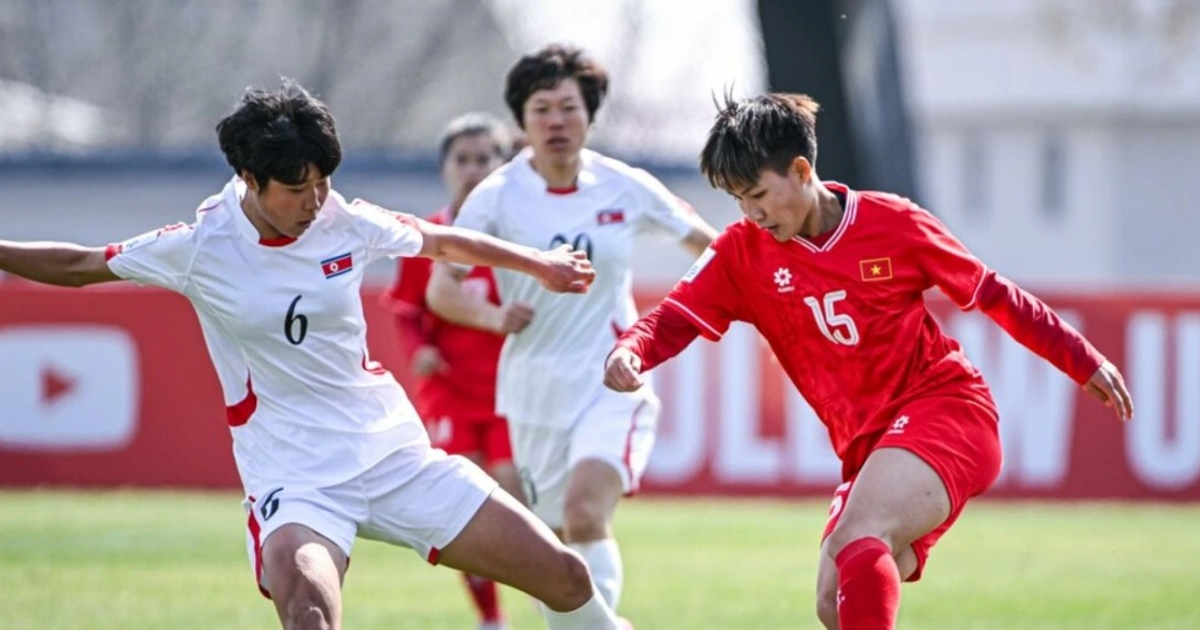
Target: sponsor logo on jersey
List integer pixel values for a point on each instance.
(699, 265)
(67, 387)
(610, 217)
(783, 278)
(338, 265)
(875, 269)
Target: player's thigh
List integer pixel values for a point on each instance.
(506, 543)
(282, 520)
(304, 568)
(922, 472)
(897, 497)
(541, 454)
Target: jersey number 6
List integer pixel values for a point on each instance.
(837, 327)
(290, 324)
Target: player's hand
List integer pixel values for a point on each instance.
(427, 360)
(623, 370)
(512, 318)
(1108, 385)
(566, 271)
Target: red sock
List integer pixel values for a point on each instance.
(486, 597)
(868, 586)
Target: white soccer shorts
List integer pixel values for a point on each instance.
(616, 428)
(417, 497)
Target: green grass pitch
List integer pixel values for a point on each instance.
(136, 560)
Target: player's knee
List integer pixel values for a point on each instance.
(307, 613)
(827, 611)
(847, 532)
(584, 520)
(574, 587)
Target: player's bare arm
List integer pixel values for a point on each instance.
(62, 264)
(448, 298)
(560, 270)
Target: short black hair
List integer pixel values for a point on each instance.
(545, 69)
(277, 133)
(474, 124)
(754, 134)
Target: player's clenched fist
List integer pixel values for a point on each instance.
(623, 370)
(566, 271)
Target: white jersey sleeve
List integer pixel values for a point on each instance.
(481, 208)
(661, 209)
(162, 258)
(385, 233)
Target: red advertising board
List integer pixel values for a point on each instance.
(112, 386)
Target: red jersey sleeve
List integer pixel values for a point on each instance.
(946, 262)
(970, 284)
(407, 294)
(707, 295)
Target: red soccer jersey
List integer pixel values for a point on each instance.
(845, 315)
(467, 389)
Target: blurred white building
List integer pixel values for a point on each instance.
(1061, 138)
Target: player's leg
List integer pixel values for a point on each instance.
(452, 513)
(508, 544)
(896, 498)
(942, 451)
(610, 447)
(305, 571)
(827, 582)
(827, 575)
(299, 542)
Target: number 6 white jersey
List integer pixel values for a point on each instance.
(284, 325)
(553, 369)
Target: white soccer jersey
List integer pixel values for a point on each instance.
(284, 326)
(551, 370)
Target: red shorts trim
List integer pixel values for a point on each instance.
(486, 436)
(958, 438)
(256, 536)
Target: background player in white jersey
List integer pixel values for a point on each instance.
(578, 446)
(327, 444)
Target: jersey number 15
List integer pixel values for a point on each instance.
(837, 327)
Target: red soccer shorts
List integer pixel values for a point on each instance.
(958, 438)
(486, 436)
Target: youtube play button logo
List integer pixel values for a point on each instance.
(67, 387)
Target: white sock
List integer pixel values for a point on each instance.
(594, 615)
(603, 558)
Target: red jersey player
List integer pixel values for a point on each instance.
(834, 279)
(455, 366)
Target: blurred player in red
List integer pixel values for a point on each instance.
(455, 365)
(834, 279)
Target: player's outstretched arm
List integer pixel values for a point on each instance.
(1035, 325)
(651, 341)
(559, 270)
(62, 264)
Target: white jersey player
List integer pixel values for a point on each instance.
(327, 444)
(578, 446)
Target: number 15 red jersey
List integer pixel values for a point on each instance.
(845, 315)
